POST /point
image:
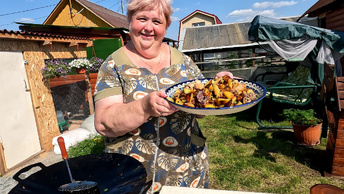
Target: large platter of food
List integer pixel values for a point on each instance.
(215, 96)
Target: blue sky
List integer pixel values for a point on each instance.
(228, 11)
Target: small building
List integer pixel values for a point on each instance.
(197, 18)
(329, 13)
(27, 110)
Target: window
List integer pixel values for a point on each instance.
(199, 24)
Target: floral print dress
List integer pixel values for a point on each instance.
(180, 159)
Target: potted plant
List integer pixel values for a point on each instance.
(95, 64)
(80, 65)
(55, 68)
(306, 126)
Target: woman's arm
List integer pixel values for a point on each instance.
(114, 118)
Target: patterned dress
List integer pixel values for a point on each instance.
(182, 159)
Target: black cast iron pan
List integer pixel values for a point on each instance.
(113, 173)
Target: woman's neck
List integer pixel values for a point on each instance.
(159, 60)
(148, 54)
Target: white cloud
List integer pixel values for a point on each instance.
(267, 4)
(173, 19)
(176, 9)
(268, 13)
(26, 20)
(250, 12)
(241, 12)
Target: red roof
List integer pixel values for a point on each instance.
(217, 20)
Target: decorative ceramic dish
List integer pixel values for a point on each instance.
(257, 88)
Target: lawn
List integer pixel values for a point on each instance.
(243, 158)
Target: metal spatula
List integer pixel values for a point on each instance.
(74, 185)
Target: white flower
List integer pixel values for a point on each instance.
(80, 63)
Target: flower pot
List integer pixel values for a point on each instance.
(81, 70)
(308, 134)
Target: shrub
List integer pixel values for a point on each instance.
(92, 145)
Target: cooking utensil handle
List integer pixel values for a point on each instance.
(26, 169)
(61, 142)
(64, 154)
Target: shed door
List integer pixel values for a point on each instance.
(18, 129)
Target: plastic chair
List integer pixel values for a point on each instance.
(296, 89)
(61, 120)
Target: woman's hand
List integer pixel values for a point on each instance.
(222, 73)
(156, 105)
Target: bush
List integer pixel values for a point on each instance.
(92, 145)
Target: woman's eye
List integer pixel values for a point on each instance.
(157, 22)
(142, 19)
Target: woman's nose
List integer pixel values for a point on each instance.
(149, 26)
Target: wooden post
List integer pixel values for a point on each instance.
(89, 94)
(3, 166)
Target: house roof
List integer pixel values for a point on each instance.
(114, 19)
(220, 36)
(8, 33)
(43, 37)
(215, 37)
(216, 19)
(321, 4)
(88, 32)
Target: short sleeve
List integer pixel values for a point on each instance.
(193, 71)
(108, 82)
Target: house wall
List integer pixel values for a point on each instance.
(196, 18)
(85, 18)
(34, 53)
(335, 18)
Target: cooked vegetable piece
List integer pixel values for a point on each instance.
(216, 93)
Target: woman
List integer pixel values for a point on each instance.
(131, 108)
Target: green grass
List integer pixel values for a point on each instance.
(243, 158)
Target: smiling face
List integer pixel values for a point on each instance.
(147, 29)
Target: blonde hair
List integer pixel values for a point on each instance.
(164, 7)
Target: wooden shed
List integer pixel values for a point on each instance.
(27, 110)
(330, 14)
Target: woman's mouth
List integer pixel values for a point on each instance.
(147, 36)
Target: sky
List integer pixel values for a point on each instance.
(228, 11)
